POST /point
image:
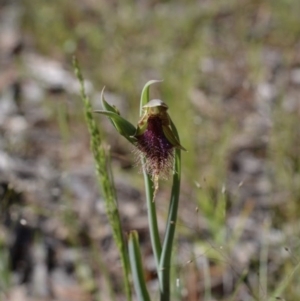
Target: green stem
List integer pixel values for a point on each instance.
(153, 227)
(165, 260)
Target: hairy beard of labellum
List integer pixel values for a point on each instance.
(156, 148)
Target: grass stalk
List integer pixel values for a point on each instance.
(105, 179)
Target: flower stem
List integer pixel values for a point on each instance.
(165, 260)
(153, 227)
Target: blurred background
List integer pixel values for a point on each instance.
(231, 77)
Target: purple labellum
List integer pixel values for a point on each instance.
(156, 148)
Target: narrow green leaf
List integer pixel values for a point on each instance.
(137, 267)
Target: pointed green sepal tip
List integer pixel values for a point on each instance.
(124, 127)
(106, 106)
